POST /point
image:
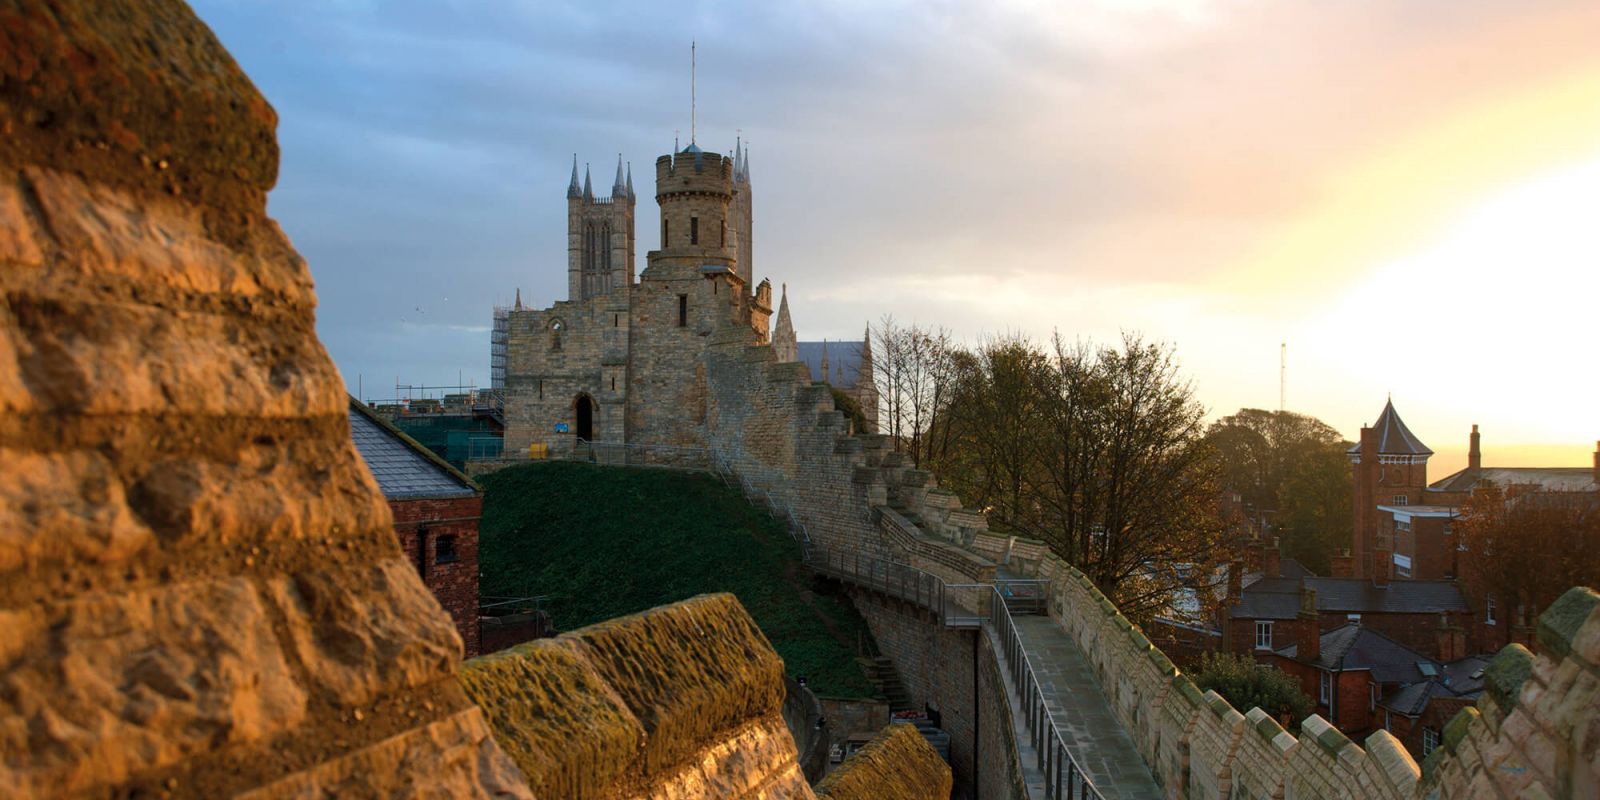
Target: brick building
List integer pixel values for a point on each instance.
(1262, 616)
(1361, 680)
(436, 511)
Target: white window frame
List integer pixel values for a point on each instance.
(1430, 741)
(1263, 626)
(1401, 500)
(1402, 565)
(1488, 609)
(1325, 689)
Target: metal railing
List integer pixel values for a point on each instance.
(1063, 778)
(959, 605)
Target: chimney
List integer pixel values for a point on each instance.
(1274, 560)
(1254, 559)
(1475, 455)
(1308, 631)
(1382, 562)
(1365, 496)
(1343, 565)
(1452, 640)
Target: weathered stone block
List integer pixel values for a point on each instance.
(98, 689)
(454, 757)
(366, 631)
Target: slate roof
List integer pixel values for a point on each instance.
(1279, 598)
(1456, 681)
(1394, 438)
(404, 469)
(1549, 479)
(1354, 647)
(845, 356)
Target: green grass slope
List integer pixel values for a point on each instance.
(607, 541)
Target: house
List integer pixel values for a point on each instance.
(1361, 680)
(436, 511)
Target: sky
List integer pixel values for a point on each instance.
(1404, 193)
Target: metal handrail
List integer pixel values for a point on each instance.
(1052, 752)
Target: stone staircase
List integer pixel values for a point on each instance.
(880, 671)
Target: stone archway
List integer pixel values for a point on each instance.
(584, 412)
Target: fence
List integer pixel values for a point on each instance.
(1063, 778)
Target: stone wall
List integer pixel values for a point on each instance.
(203, 593)
(682, 701)
(1534, 733)
(896, 765)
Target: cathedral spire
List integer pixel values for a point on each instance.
(588, 189)
(784, 346)
(573, 192)
(619, 188)
(630, 180)
(744, 166)
(518, 306)
(824, 360)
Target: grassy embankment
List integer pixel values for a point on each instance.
(606, 541)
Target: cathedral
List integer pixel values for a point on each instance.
(620, 361)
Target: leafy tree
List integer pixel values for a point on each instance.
(1527, 548)
(1098, 451)
(1246, 684)
(1290, 469)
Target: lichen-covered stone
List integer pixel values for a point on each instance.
(898, 764)
(722, 671)
(564, 726)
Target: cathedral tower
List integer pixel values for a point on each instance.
(695, 191)
(599, 235)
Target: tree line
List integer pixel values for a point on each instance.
(1102, 452)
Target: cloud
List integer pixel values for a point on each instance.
(1088, 166)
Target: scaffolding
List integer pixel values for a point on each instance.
(497, 347)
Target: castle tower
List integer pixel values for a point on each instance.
(599, 235)
(784, 344)
(695, 192)
(1390, 467)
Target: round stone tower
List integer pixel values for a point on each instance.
(695, 189)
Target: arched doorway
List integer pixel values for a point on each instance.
(585, 414)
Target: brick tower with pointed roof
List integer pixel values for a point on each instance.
(1390, 467)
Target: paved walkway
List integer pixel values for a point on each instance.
(1088, 727)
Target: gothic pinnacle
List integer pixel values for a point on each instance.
(630, 180)
(619, 188)
(573, 192)
(588, 190)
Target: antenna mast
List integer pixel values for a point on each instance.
(1283, 373)
(691, 91)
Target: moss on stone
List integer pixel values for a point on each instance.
(1559, 623)
(1456, 729)
(1504, 676)
(898, 764)
(553, 714)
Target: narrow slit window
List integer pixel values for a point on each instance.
(664, 233)
(724, 234)
(683, 311)
(694, 230)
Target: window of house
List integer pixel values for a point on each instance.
(1402, 565)
(1326, 694)
(1430, 741)
(683, 311)
(444, 550)
(1402, 527)
(1263, 635)
(1488, 609)
(1401, 500)
(694, 230)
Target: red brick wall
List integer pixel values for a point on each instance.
(455, 584)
